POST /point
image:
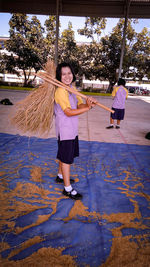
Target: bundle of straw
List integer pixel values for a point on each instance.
(34, 114)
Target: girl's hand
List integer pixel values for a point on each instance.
(91, 102)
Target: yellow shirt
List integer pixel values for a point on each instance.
(62, 98)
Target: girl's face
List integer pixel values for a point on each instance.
(66, 75)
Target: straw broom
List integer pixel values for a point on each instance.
(34, 114)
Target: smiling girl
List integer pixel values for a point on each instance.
(67, 108)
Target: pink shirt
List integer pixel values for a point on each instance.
(120, 93)
(66, 127)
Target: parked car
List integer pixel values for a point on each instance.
(131, 89)
(144, 91)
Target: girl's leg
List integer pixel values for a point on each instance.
(111, 124)
(68, 190)
(65, 168)
(59, 178)
(118, 122)
(111, 121)
(59, 168)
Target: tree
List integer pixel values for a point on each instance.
(111, 52)
(141, 55)
(50, 39)
(2, 63)
(93, 28)
(105, 54)
(87, 53)
(26, 45)
(68, 47)
(100, 60)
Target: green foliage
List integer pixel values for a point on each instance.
(68, 47)
(141, 55)
(26, 45)
(50, 39)
(95, 94)
(29, 89)
(93, 28)
(130, 33)
(100, 60)
(16, 88)
(30, 44)
(2, 65)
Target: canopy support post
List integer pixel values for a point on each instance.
(124, 36)
(57, 32)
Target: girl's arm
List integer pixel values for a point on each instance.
(90, 102)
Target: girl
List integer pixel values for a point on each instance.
(67, 107)
(120, 94)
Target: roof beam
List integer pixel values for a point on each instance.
(95, 8)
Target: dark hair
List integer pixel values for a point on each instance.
(121, 82)
(58, 71)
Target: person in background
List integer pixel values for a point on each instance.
(119, 94)
(67, 107)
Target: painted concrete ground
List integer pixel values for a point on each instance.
(41, 227)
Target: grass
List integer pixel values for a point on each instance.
(19, 88)
(96, 94)
(16, 88)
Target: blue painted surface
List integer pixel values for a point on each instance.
(114, 181)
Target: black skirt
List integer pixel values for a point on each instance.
(118, 114)
(68, 150)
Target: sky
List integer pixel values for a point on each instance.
(77, 22)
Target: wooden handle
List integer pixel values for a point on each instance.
(50, 79)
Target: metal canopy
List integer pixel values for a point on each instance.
(95, 8)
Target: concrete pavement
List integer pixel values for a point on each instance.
(92, 124)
